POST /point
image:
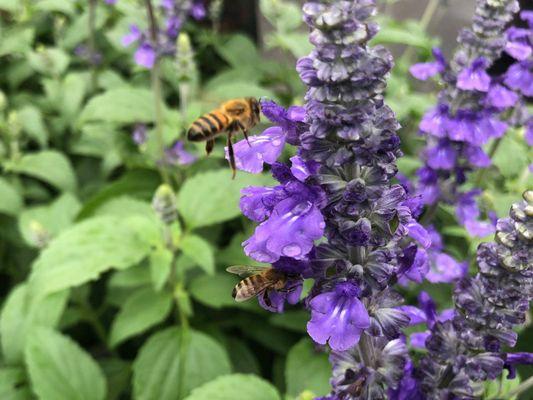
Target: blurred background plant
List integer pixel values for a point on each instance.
(115, 232)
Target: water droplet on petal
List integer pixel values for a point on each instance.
(291, 250)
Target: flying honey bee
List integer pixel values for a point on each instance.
(232, 116)
(259, 281)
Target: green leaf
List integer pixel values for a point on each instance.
(12, 386)
(200, 251)
(142, 310)
(242, 357)
(125, 105)
(54, 218)
(16, 40)
(236, 387)
(157, 369)
(139, 183)
(74, 88)
(307, 369)
(60, 369)
(19, 317)
(62, 6)
(49, 61)
(11, 200)
(511, 157)
(31, 119)
(291, 320)
(81, 253)
(160, 264)
(238, 89)
(132, 277)
(232, 51)
(50, 166)
(10, 5)
(78, 31)
(213, 197)
(214, 291)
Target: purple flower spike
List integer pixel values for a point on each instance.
(424, 71)
(474, 77)
(338, 317)
(519, 77)
(145, 55)
(501, 97)
(264, 148)
(442, 156)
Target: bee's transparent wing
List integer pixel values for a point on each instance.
(246, 270)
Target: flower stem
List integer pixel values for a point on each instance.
(526, 385)
(157, 92)
(92, 44)
(425, 20)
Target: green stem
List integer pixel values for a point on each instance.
(92, 43)
(158, 94)
(425, 20)
(494, 148)
(526, 385)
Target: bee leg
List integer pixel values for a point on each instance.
(266, 299)
(231, 155)
(209, 146)
(245, 132)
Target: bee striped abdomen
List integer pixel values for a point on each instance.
(207, 126)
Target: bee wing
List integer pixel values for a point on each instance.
(241, 294)
(246, 270)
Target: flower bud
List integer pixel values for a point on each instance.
(164, 204)
(185, 65)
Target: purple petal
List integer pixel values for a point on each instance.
(303, 169)
(474, 77)
(518, 45)
(435, 122)
(445, 269)
(446, 315)
(424, 71)
(529, 132)
(178, 155)
(479, 228)
(419, 233)
(528, 17)
(477, 157)
(257, 203)
(133, 36)
(418, 339)
(145, 56)
(263, 148)
(443, 156)
(290, 231)
(501, 97)
(415, 314)
(520, 78)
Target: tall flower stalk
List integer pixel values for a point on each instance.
(471, 111)
(338, 186)
(469, 349)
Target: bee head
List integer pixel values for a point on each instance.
(256, 107)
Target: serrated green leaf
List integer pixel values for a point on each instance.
(60, 369)
(122, 106)
(200, 251)
(19, 317)
(212, 197)
(307, 369)
(156, 371)
(53, 218)
(11, 200)
(81, 253)
(236, 387)
(50, 166)
(142, 310)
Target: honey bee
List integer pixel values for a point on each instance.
(259, 281)
(232, 116)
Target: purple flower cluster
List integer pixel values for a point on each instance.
(174, 14)
(470, 112)
(339, 187)
(467, 349)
